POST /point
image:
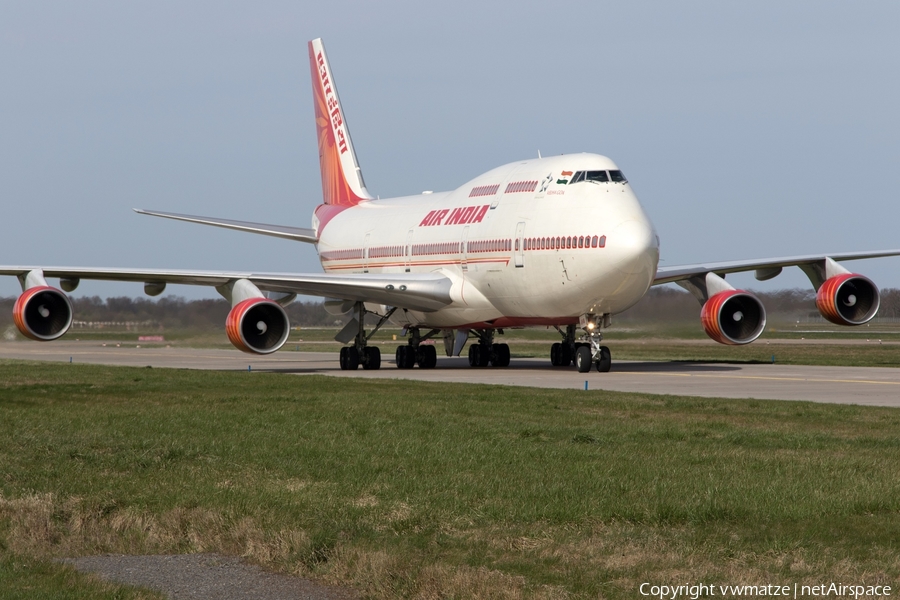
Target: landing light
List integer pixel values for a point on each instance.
(590, 325)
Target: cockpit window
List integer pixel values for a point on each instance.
(617, 177)
(596, 176)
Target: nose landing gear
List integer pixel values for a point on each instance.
(587, 351)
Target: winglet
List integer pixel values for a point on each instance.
(342, 181)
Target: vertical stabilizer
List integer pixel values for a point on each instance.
(342, 181)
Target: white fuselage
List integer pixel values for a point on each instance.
(513, 242)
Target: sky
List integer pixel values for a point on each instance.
(747, 130)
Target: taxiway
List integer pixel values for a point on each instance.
(873, 386)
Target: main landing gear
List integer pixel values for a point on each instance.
(417, 353)
(486, 352)
(360, 353)
(585, 352)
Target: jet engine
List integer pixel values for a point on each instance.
(257, 326)
(42, 313)
(733, 317)
(848, 299)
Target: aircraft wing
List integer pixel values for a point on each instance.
(414, 291)
(765, 268)
(298, 234)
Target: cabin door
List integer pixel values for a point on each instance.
(519, 245)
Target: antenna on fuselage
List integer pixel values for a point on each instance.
(539, 153)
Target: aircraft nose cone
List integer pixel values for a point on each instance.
(636, 248)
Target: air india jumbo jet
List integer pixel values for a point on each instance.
(559, 242)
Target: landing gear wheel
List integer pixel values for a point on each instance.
(565, 355)
(343, 358)
(372, 357)
(474, 355)
(484, 355)
(560, 355)
(405, 357)
(605, 361)
(352, 359)
(426, 356)
(583, 359)
(500, 355)
(479, 355)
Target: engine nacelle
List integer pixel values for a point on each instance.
(848, 299)
(42, 313)
(733, 317)
(257, 326)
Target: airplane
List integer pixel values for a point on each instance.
(556, 241)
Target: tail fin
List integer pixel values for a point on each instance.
(342, 181)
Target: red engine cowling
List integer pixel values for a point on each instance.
(848, 299)
(733, 317)
(42, 313)
(257, 326)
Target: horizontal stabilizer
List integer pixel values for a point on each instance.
(298, 234)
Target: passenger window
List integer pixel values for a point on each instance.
(596, 176)
(617, 176)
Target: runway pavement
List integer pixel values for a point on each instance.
(848, 385)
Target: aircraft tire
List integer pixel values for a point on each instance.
(343, 359)
(484, 355)
(475, 355)
(583, 359)
(565, 355)
(605, 362)
(405, 357)
(556, 354)
(427, 356)
(500, 355)
(373, 358)
(352, 358)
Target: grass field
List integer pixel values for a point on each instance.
(438, 490)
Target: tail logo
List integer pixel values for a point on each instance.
(342, 183)
(332, 105)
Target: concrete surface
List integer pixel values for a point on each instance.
(848, 385)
